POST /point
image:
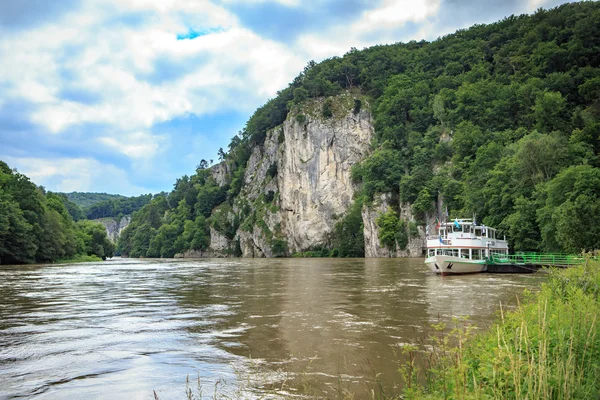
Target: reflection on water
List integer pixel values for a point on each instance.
(123, 328)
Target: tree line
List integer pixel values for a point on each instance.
(36, 226)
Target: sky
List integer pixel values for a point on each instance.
(125, 96)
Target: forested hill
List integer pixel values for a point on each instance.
(116, 207)
(87, 199)
(36, 226)
(498, 120)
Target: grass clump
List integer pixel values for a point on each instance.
(546, 348)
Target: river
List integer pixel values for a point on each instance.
(123, 329)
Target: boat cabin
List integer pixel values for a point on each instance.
(464, 239)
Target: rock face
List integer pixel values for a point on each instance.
(296, 186)
(221, 173)
(373, 248)
(314, 179)
(114, 227)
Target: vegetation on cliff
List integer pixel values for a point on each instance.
(172, 224)
(498, 120)
(36, 226)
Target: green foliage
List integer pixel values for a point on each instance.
(85, 199)
(279, 247)
(570, 214)
(116, 206)
(79, 258)
(546, 348)
(225, 221)
(272, 171)
(393, 231)
(348, 239)
(37, 227)
(327, 111)
(178, 222)
(357, 106)
(316, 252)
(95, 241)
(209, 196)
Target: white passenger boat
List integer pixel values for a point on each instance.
(461, 247)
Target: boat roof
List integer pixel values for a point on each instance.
(464, 221)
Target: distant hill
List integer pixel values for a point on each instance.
(87, 199)
(116, 207)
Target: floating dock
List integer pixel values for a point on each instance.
(526, 263)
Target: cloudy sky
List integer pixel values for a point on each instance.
(124, 96)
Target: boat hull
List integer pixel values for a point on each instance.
(448, 265)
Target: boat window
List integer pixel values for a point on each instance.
(492, 234)
(450, 252)
(464, 253)
(430, 252)
(476, 254)
(456, 228)
(477, 231)
(467, 228)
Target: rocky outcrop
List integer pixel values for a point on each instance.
(297, 184)
(373, 248)
(417, 241)
(221, 173)
(114, 226)
(314, 174)
(218, 241)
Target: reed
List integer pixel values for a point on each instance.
(546, 348)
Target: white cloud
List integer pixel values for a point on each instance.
(289, 3)
(393, 13)
(76, 174)
(114, 62)
(375, 26)
(137, 145)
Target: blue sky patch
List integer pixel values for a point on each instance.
(194, 33)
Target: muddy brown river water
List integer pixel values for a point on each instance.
(257, 328)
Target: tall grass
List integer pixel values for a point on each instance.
(546, 348)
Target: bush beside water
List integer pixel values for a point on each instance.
(547, 348)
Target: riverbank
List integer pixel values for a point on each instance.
(79, 258)
(546, 348)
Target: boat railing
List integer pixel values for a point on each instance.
(548, 259)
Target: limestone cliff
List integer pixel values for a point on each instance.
(314, 179)
(296, 186)
(114, 226)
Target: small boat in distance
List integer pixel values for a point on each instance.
(462, 247)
